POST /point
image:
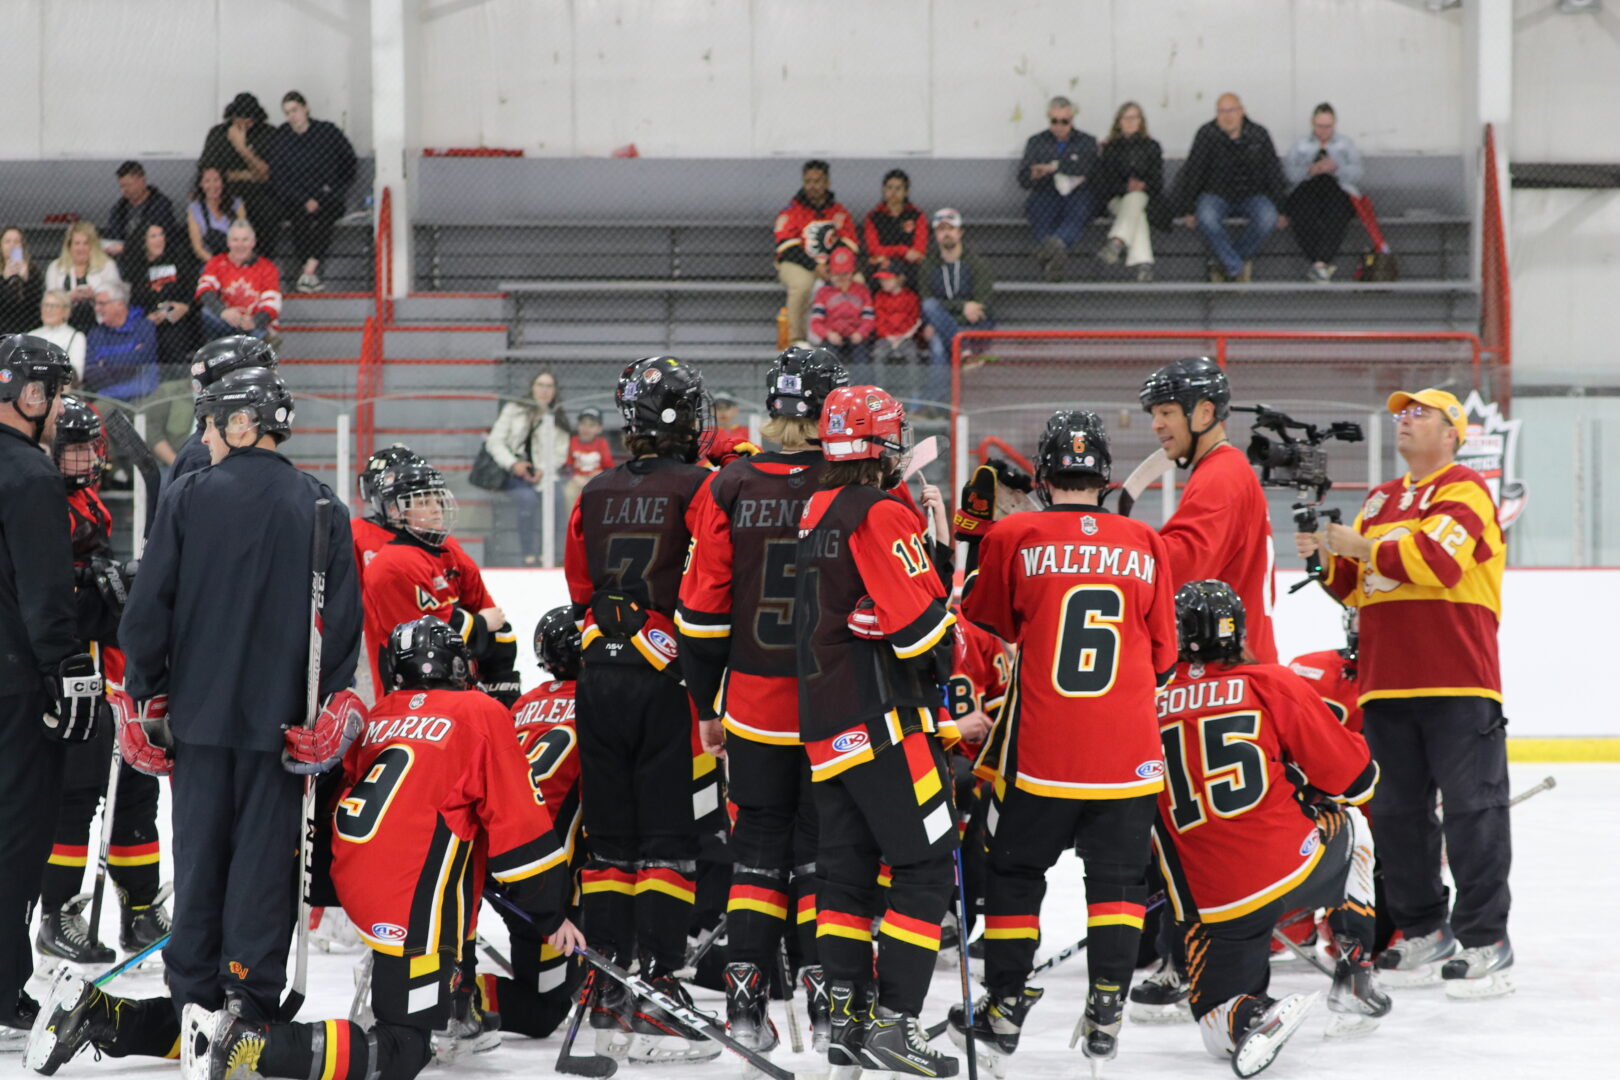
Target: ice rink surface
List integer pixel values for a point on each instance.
(1563, 1022)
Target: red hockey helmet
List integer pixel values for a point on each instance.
(862, 422)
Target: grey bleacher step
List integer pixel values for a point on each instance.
(322, 309)
(403, 343)
(428, 308)
(309, 378)
(406, 378)
(299, 343)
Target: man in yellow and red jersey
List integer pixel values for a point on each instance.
(1234, 845)
(1085, 595)
(1423, 561)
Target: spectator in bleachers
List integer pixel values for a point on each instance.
(81, 269)
(898, 319)
(956, 288)
(841, 317)
(210, 213)
(726, 410)
(121, 351)
(239, 292)
(1324, 168)
(516, 444)
(240, 149)
(55, 328)
(1057, 169)
(162, 279)
(809, 229)
(21, 283)
(312, 166)
(140, 204)
(589, 454)
(1231, 169)
(1129, 176)
(896, 231)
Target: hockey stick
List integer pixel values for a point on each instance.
(796, 1036)
(495, 957)
(1153, 466)
(589, 1064)
(129, 444)
(109, 806)
(707, 942)
(118, 969)
(1315, 961)
(312, 704)
(964, 963)
(920, 457)
(1546, 785)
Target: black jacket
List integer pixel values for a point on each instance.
(1127, 157)
(128, 222)
(319, 165)
(37, 612)
(19, 301)
(219, 615)
(1078, 158)
(191, 456)
(1231, 168)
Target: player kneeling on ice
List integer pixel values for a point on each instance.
(437, 791)
(1234, 846)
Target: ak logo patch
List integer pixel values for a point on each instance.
(425, 600)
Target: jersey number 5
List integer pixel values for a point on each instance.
(362, 810)
(1087, 655)
(1234, 769)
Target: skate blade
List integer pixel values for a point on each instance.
(41, 1038)
(1261, 1046)
(671, 1048)
(1350, 1025)
(986, 1053)
(613, 1043)
(1409, 978)
(1496, 984)
(1141, 1013)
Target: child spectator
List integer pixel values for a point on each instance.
(898, 318)
(726, 409)
(589, 454)
(841, 316)
(896, 231)
(240, 292)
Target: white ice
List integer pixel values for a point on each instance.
(1563, 1021)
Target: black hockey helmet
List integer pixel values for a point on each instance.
(1074, 444)
(1352, 633)
(259, 392)
(1187, 382)
(425, 654)
(663, 396)
(389, 457)
(26, 359)
(222, 356)
(413, 497)
(78, 425)
(1209, 616)
(800, 380)
(556, 643)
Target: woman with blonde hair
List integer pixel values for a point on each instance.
(1130, 175)
(80, 270)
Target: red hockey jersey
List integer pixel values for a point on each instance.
(1332, 675)
(1230, 837)
(1085, 595)
(407, 579)
(434, 787)
(254, 286)
(980, 675)
(1222, 530)
(544, 720)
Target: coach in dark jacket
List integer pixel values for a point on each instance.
(1231, 169)
(1057, 169)
(219, 621)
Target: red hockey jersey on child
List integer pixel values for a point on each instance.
(897, 314)
(980, 675)
(1086, 596)
(1230, 837)
(435, 787)
(842, 311)
(1333, 676)
(544, 720)
(407, 579)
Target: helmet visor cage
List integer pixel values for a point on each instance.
(428, 515)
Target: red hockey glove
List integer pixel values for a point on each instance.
(978, 506)
(143, 734)
(863, 620)
(315, 749)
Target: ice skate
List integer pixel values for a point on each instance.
(997, 1023)
(748, 1018)
(1415, 961)
(140, 925)
(64, 935)
(847, 1012)
(333, 933)
(218, 1045)
(659, 1037)
(17, 1022)
(1355, 1001)
(471, 1031)
(896, 1045)
(1161, 998)
(611, 1012)
(814, 981)
(75, 1015)
(1479, 972)
(1099, 1025)
(1265, 1039)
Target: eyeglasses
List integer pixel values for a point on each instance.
(1059, 122)
(1416, 412)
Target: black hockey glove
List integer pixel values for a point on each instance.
(113, 580)
(617, 615)
(75, 700)
(497, 667)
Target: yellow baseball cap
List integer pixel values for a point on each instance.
(1434, 399)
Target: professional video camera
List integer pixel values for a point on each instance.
(1298, 462)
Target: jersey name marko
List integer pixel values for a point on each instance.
(1042, 559)
(635, 510)
(425, 728)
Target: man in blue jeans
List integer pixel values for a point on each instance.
(955, 286)
(1231, 169)
(1055, 170)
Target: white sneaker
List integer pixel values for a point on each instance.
(1479, 972)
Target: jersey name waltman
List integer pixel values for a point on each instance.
(1087, 559)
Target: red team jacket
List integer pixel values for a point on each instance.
(434, 785)
(406, 579)
(1333, 676)
(797, 216)
(1222, 529)
(1230, 837)
(1086, 595)
(544, 720)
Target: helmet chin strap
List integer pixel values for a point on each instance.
(1192, 450)
(38, 421)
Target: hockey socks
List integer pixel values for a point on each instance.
(342, 1050)
(522, 1007)
(665, 893)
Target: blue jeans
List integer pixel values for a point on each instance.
(526, 503)
(937, 384)
(1212, 213)
(215, 327)
(1062, 216)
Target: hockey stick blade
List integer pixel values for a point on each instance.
(921, 456)
(118, 969)
(588, 1064)
(1546, 785)
(1153, 466)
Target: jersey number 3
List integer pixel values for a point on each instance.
(1087, 655)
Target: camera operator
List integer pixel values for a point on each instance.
(1423, 561)
(1221, 529)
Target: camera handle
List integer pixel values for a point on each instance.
(1305, 520)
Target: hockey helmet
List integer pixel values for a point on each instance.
(1187, 382)
(413, 497)
(1209, 616)
(556, 643)
(389, 457)
(424, 654)
(1352, 632)
(663, 396)
(258, 392)
(222, 356)
(80, 447)
(26, 359)
(1074, 444)
(800, 380)
(859, 423)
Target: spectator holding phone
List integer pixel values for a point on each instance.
(1057, 166)
(517, 444)
(1324, 168)
(21, 283)
(81, 269)
(162, 278)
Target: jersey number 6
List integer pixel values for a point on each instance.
(1087, 656)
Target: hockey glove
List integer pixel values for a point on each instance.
(75, 700)
(315, 749)
(617, 615)
(863, 621)
(978, 506)
(143, 734)
(113, 580)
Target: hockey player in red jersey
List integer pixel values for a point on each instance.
(981, 672)
(1221, 528)
(735, 624)
(627, 542)
(1332, 674)
(874, 651)
(1086, 596)
(1234, 846)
